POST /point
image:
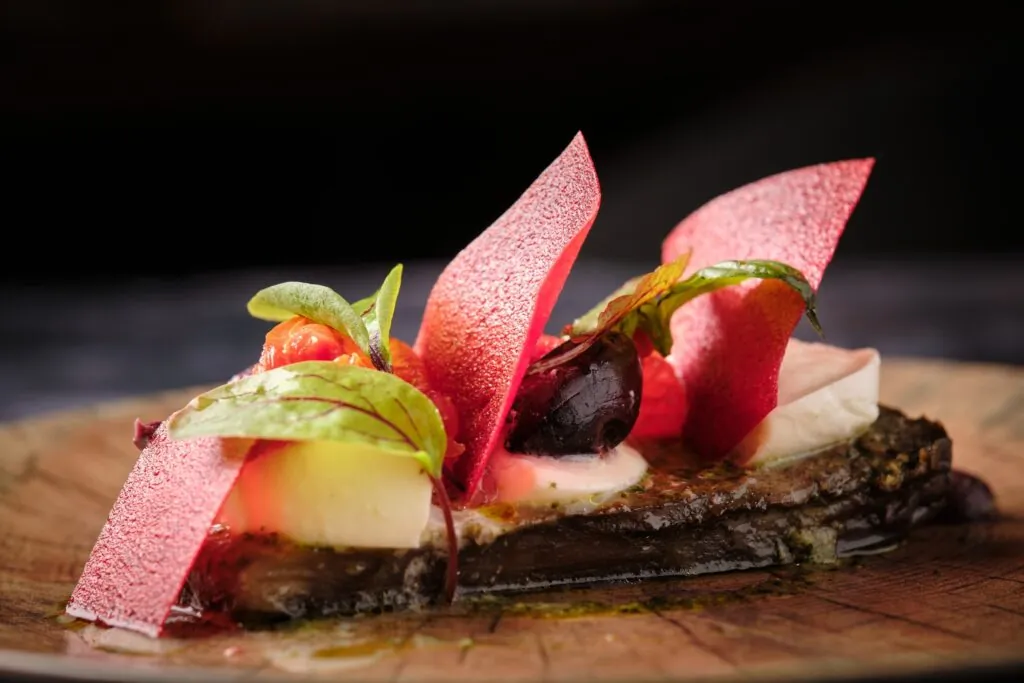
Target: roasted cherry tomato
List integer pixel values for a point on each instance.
(663, 404)
(586, 403)
(408, 366)
(298, 339)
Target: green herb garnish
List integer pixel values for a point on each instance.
(321, 401)
(377, 312)
(315, 302)
(367, 322)
(646, 303)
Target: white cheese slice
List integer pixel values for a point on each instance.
(567, 479)
(332, 494)
(827, 395)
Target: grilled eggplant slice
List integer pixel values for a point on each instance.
(854, 498)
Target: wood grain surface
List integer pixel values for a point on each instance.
(952, 594)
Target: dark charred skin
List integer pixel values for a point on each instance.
(588, 404)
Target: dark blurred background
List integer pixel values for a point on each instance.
(166, 159)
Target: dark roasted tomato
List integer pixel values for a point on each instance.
(587, 404)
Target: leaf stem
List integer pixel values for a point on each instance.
(451, 579)
(559, 355)
(378, 359)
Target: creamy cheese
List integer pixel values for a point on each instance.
(544, 479)
(827, 395)
(332, 494)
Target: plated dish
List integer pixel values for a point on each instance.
(677, 428)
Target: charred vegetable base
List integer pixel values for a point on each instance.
(855, 498)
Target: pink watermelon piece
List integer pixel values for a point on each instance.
(728, 346)
(489, 307)
(155, 531)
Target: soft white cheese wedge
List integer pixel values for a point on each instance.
(543, 479)
(332, 494)
(826, 395)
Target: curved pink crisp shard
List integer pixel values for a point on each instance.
(490, 305)
(728, 346)
(155, 530)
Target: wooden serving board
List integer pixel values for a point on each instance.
(952, 594)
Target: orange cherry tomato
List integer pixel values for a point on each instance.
(357, 359)
(297, 339)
